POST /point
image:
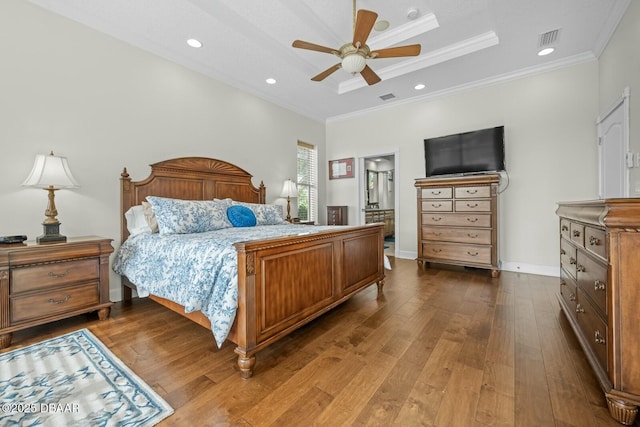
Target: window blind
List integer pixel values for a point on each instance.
(307, 182)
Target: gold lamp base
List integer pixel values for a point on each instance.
(51, 225)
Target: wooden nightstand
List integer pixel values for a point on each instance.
(44, 283)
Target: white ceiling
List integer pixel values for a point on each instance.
(464, 42)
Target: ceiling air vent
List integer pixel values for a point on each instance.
(387, 97)
(548, 38)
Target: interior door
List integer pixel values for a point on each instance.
(614, 156)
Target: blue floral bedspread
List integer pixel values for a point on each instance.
(198, 271)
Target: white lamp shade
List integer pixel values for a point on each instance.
(289, 189)
(50, 170)
(354, 63)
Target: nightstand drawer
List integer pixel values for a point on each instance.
(43, 276)
(44, 304)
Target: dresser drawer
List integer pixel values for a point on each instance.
(565, 228)
(595, 330)
(459, 253)
(569, 292)
(457, 219)
(577, 233)
(437, 206)
(44, 304)
(568, 257)
(595, 241)
(457, 235)
(473, 206)
(43, 276)
(437, 193)
(592, 278)
(473, 192)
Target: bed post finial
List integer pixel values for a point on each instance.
(124, 174)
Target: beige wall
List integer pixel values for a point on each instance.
(550, 145)
(619, 67)
(105, 105)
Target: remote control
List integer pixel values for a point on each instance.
(12, 239)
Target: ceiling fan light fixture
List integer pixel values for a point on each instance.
(354, 62)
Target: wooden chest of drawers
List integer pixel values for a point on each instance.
(457, 221)
(600, 293)
(43, 283)
(337, 215)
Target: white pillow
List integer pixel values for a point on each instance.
(136, 221)
(176, 216)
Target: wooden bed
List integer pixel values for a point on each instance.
(283, 283)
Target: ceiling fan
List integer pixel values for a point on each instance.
(354, 54)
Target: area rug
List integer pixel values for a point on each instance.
(74, 380)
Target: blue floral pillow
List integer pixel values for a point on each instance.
(241, 216)
(177, 216)
(265, 214)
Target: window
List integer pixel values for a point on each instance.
(307, 182)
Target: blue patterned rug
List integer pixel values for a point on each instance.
(74, 380)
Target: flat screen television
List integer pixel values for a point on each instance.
(465, 153)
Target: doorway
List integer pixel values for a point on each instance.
(377, 184)
(613, 149)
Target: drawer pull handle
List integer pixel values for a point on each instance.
(58, 275)
(576, 233)
(594, 241)
(469, 205)
(472, 191)
(599, 285)
(472, 253)
(437, 251)
(598, 338)
(437, 233)
(563, 252)
(572, 297)
(436, 205)
(579, 309)
(59, 301)
(564, 228)
(581, 268)
(572, 260)
(436, 219)
(472, 219)
(472, 236)
(436, 193)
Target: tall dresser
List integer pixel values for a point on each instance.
(337, 215)
(458, 221)
(600, 293)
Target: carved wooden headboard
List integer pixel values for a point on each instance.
(189, 178)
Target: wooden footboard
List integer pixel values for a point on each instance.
(287, 282)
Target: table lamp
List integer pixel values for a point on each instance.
(289, 190)
(51, 173)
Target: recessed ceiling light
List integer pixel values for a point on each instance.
(419, 86)
(381, 25)
(271, 81)
(194, 43)
(546, 51)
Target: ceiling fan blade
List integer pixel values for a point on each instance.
(364, 24)
(326, 73)
(310, 46)
(370, 76)
(394, 52)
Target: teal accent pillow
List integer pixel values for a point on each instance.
(241, 216)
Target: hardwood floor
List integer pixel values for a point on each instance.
(446, 347)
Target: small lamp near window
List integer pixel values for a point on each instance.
(289, 190)
(51, 173)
